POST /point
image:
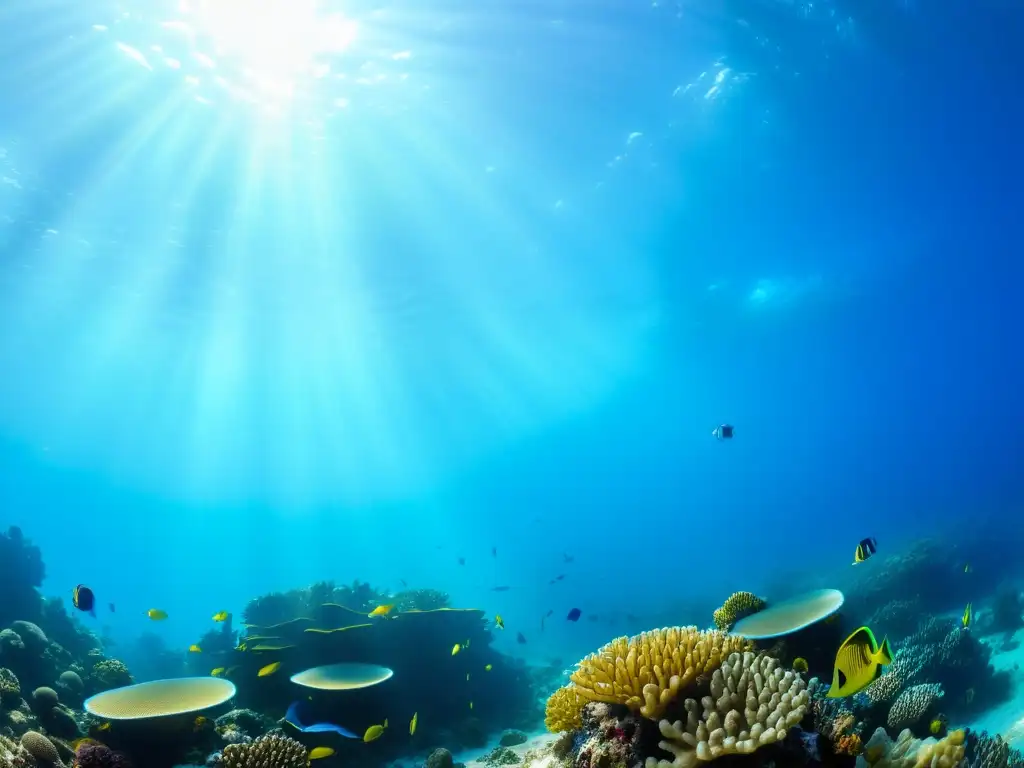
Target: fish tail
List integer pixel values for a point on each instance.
(884, 655)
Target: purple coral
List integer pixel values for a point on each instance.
(99, 756)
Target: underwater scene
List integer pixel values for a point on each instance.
(622, 384)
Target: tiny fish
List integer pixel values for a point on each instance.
(104, 727)
(471, 705)
(84, 600)
(269, 669)
(319, 752)
(402, 582)
(574, 614)
(456, 648)
(156, 614)
(500, 589)
(967, 568)
(467, 677)
(567, 558)
(194, 649)
(374, 732)
(221, 616)
(111, 607)
(199, 723)
(559, 577)
(462, 561)
(520, 639)
(217, 671)
(966, 618)
(488, 668)
(498, 621)
(865, 549)
(412, 723)
(494, 551)
(380, 610)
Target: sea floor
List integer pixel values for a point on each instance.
(474, 758)
(1007, 719)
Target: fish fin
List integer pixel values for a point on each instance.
(292, 715)
(884, 655)
(861, 635)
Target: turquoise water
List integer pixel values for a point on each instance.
(356, 290)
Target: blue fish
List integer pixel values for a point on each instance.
(574, 614)
(292, 717)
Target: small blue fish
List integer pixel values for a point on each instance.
(574, 614)
(292, 718)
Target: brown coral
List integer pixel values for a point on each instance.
(647, 671)
(270, 750)
(40, 747)
(848, 745)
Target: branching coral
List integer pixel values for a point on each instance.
(984, 751)
(647, 671)
(270, 750)
(10, 688)
(563, 710)
(111, 673)
(737, 606)
(753, 702)
(913, 705)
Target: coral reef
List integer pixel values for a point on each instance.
(907, 752)
(647, 671)
(753, 701)
(985, 751)
(913, 705)
(737, 606)
(270, 751)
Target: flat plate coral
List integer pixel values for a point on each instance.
(790, 615)
(342, 677)
(160, 698)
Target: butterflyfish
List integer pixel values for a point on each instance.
(374, 732)
(574, 614)
(194, 649)
(84, 600)
(221, 616)
(156, 614)
(269, 669)
(488, 668)
(217, 671)
(412, 723)
(318, 752)
(859, 662)
(456, 648)
(380, 610)
(968, 615)
(499, 622)
(864, 550)
(292, 718)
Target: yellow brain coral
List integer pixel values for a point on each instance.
(563, 710)
(737, 606)
(646, 672)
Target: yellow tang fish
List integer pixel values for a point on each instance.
(269, 669)
(380, 610)
(221, 616)
(488, 668)
(412, 723)
(859, 662)
(156, 614)
(499, 621)
(374, 732)
(319, 752)
(217, 671)
(456, 648)
(194, 649)
(966, 618)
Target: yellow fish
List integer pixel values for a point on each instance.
(865, 549)
(269, 669)
(200, 722)
(104, 727)
(471, 705)
(156, 614)
(240, 647)
(412, 723)
(500, 622)
(217, 671)
(194, 649)
(374, 732)
(221, 616)
(456, 648)
(319, 752)
(859, 662)
(935, 726)
(380, 610)
(968, 615)
(488, 668)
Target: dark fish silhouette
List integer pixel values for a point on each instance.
(574, 614)
(402, 582)
(462, 561)
(520, 639)
(559, 577)
(567, 557)
(500, 589)
(494, 551)
(111, 607)
(84, 600)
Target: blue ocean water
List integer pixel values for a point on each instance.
(287, 299)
